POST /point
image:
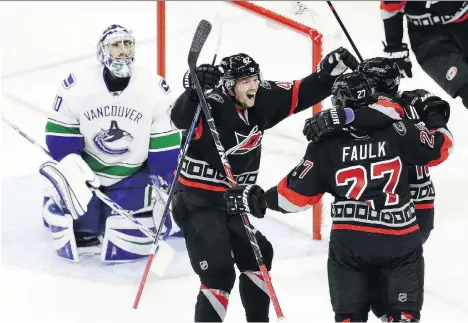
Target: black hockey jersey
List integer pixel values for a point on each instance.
(373, 211)
(420, 182)
(240, 131)
(430, 15)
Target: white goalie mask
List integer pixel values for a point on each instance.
(116, 50)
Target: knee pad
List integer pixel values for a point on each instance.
(254, 296)
(123, 242)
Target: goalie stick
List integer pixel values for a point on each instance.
(204, 28)
(201, 35)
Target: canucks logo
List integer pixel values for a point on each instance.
(113, 141)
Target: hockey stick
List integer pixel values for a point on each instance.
(103, 197)
(156, 243)
(25, 135)
(155, 246)
(344, 30)
(204, 28)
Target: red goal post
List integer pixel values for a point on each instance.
(316, 56)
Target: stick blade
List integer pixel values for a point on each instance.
(199, 39)
(162, 259)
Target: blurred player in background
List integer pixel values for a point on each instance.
(438, 37)
(110, 129)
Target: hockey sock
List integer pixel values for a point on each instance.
(211, 305)
(403, 317)
(254, 296)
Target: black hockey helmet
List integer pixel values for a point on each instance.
(351, 91)
(382, 73)
(236, 67)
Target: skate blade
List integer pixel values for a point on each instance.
(162, 258)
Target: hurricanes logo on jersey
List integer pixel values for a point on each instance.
(110, 141)
(247, 143)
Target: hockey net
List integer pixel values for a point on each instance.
(279, 36)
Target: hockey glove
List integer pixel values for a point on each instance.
(208, 75)
(246, 198)
(327, 123)
(426, 104)
(400, 55)
(336, 63)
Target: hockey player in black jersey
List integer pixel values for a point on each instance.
(243, 106)
(438, 37)
(374, 231)
(383, 76)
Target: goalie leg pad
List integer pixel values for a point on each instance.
(61, 227)
(68, 244)
(88, 224)
(123, 242)
(50, 193)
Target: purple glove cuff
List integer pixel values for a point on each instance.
(349, 113)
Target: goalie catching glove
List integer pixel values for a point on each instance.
(246, 198)
(71, 178)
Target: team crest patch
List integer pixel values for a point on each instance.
(163, 84)
(247, 143)
(69, 81)
(113, 141)
(400, 128)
